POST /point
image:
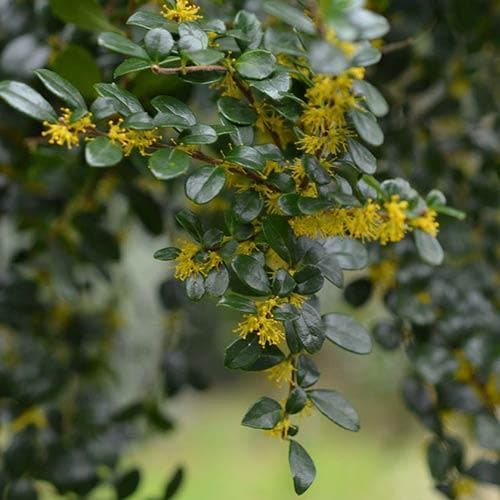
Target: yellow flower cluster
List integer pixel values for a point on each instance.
(263, 323)
(65, 132)
(129, 139)
(268, 120)
(426, 222)
(187, 264)
(281, 373)
(386, 224)
(184, 11)
(324, 120)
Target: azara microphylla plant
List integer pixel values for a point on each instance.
(284, 151)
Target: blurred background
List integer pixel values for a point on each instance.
(99, 348)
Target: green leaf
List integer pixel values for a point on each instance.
(326, 59)
(307, 372)
(274, 87)
(248, 354)
(296, 400)
(255, 64)
(238, 303)
(199, 134)
(331, 404)
(429, 248)
(310, 329)
(191, 223)
(330, 267)
(167, 254)
(435, 363)
(242, 353)
(172, 113)
(347, 333)
(61, 88)
(350, 254)
(291, 16)
(487, 429)
(168, 164)
(251, 272)
(248, 205)
(302, 467)
(247, 157)
(264, 414)
(101, 152)
(125, 103)
(236, 111)
(102, 107)
(280, 237)
(159, 42)
(174, 484)
(118, 43)
(438, 459)
(139, 121)
(362, 157)
(367, 127)
(366, 57)
(205, 56)
(127, 483)
(309, 280)
(192, 38)
(373, 98)
(205, 184)
(26, 100)
(149, 20)
(217, 281)
(283, 283)
(86, 14)
(195, 287)
(248, 28)
(131, 65)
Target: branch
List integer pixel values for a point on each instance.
(158, 70)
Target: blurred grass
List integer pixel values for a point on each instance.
(225, 461)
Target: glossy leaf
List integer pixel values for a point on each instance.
(331, 404)
(101, 152)
(166, 164)
(302, 467)
(347, 333)
(26, 100)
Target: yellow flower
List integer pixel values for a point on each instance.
(280, 430)
(324, 119)
(394, 226)
(383, 274)
(187, 264)
(464, 372)
(184, 11)
(65, 132)
(348, 48)
(228, 86)
(463, 487)
(426, 222)
(281, 373)
(246, 247)
(363, 223)
(321, 225)
(263, 324)
(129, 139)
(492, 389)
(33, 416)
